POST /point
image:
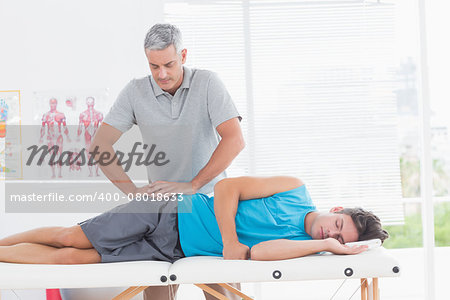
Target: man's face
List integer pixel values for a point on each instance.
(334, 225)
(167, 67)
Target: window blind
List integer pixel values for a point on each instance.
(314, 83)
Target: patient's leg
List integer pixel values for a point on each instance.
(51, 236)
(29, 253)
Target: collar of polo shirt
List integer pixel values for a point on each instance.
(184, 85)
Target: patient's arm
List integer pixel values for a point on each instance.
(228, 192)
(285, 249)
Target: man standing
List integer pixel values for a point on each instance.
(173, 101)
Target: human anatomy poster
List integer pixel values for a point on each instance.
(69, 120)
(10, 159)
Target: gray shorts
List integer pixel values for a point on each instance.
(137, 230)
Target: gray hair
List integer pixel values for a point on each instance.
(161, 36)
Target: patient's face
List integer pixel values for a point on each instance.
(338, 226)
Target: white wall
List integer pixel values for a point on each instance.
(55, 45)
(50, 45)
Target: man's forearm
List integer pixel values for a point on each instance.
(227, 149)
(286, 249)
(114, 171)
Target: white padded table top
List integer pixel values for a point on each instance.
(369, 264)
(202, 269)
(32, 276)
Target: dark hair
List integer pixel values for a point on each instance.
(367, 224)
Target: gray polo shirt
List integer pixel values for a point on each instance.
(182, 126)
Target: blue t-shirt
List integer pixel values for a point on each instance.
(280, 216)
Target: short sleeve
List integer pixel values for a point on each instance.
(299, 196)
(121, 115)
(220, 105)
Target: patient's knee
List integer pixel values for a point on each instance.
(71, 256)
(67, 236)
(64, 256)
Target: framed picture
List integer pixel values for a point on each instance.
(10, 154)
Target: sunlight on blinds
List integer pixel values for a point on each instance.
(323, 107)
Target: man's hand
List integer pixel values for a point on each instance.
(140, 190)
(165, 187)
(334, 246)
(236, 250)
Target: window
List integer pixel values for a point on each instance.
(315, 84)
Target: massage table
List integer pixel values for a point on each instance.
(202, 270)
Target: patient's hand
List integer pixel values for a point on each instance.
(334, 246)
(236, 250)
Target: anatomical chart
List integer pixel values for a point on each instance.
(10, 158)
(69, 120)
